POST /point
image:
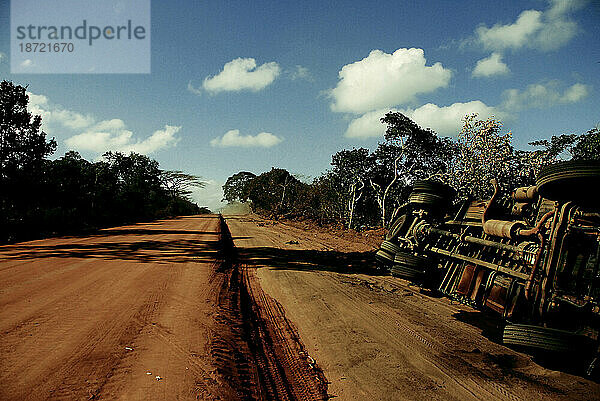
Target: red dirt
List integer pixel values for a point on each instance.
(286, 314)
(142, 312)
(379, 338)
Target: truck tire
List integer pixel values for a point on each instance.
(396, 227)
(431, 187)
(425, 199)
(384, 258)
(569, 180)
(543, 338)
(410, 267)
(389, 247)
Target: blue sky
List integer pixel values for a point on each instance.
(253, 85)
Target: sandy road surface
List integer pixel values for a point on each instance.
(88, 318)
(154, 311)
(376, 337)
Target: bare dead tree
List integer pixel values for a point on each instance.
(355, 192)
(382, 195)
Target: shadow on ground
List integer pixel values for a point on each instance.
(309, 260)
(148, 251)
(492, 327)
(137, 242)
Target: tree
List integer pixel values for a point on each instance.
(350, 171)
(69, 192)
(560, 147)
(410, 152)
(556, 146)
(483, 153)
(23, 152)
(41, 197)
(236, 187)
(179, 184)
(275, 192)
(23, 146)
(587, 146)
(139, 192)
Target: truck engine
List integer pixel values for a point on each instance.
(530, 256)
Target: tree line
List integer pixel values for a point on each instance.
(41, 197)
(364, 188)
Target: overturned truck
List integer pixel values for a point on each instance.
(530, 256)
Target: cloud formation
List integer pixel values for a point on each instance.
(55, 116)
(233, 138)
(112, 135)
(490, 66)
(368, 125)
(543, 95)
(544, 31)
(445, 120)
(241, 74)
(384, 80)
(98, 136)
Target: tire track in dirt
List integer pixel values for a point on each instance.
(281, 367)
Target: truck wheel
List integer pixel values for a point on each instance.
(425, 199)
(410, 267)
(396, 226)
(407, 273)
(569, 180)
(543, 338)
(390, 247)
(384, 258)
(431, 187)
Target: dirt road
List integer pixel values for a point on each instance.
(172, 310)
(144, 312)
(378, 338)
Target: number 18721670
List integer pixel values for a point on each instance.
(42, 47)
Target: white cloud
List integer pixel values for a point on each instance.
(511, 36)
(368, 125)
(543, 95)
(55, 116)
(490, 66)
(545, 31)
(575, 93)
(559, 8)
(121, 140)
(384, 80)
(446, 121)
(233, 138)
(97, 136)
(36, 100)
(242, 74)
(27, 63)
